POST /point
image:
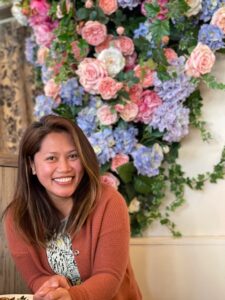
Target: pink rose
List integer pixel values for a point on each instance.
(94, 32)
(120, 30)
(119, 160)
(200, 61)
(170, 54)
(52, 89)
(89, 4)
(110, 179)
(77, 52)
(218, 18)
(90, 72)
(44, 33)
(105, 44)
(106, 116)
(147, 105)
(135, 92)
(108, 6)
(145, 74)
(108, 88)
(124, 44)
(128, 112)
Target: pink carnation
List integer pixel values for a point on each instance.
(90, 72)
(108, 88)
(128, 112)
(52, 89)
(119, 160)
(106, 116)
(110, 179)
(108, 6)
(145, 74)
(218, 18)
(170, 54)
(94, 32)
(147, 105)
(200, 61)
(124, 44)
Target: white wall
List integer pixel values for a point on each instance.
(192, 267)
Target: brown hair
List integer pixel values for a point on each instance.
(33, 213)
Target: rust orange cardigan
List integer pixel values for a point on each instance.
(103, 259)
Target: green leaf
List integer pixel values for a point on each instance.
(82, 13)
(152, 10)
(126, 172)
(142, 184)
(159, 28)
(212, 83)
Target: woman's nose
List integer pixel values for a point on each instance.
(63, 165)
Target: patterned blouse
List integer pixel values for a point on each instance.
(61, 257)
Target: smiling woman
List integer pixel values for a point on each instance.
(67, 232)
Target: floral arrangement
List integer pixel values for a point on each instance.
(128, 73)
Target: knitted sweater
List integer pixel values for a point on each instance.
(103, 259)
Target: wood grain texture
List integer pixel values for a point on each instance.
(10, 280)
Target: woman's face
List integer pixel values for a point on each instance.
(58, 166)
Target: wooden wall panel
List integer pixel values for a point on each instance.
(10, 280)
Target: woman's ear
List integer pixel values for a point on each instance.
(32, 167)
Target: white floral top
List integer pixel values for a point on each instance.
(61, 258)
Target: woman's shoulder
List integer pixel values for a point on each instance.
(109, 193)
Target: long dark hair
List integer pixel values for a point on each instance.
(33, 212)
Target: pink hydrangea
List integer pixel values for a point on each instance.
(44, 33)
(94, 32)
(108, 88)
(108, 6)
(147, 105)
(106, 116)
(119, 160)
(200, 61)
(90, 72)
(110, 179)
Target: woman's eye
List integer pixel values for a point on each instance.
(73, 156)
(51, 158)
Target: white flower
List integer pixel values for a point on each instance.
(17, 13)
(195, 7)
(166, 149)
(134, 206)
(113, 60)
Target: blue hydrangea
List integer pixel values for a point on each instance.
(31, 50)
(172, 119)
(87, 120)
(43, 106)
(46, 74)
(129, 3)
(71, 92)
(103, 144)
(208, 9)
(212, 36)
(147, 160)
(125, 139)
(175, 89)
(141, 31)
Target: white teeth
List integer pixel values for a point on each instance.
(65, 179)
